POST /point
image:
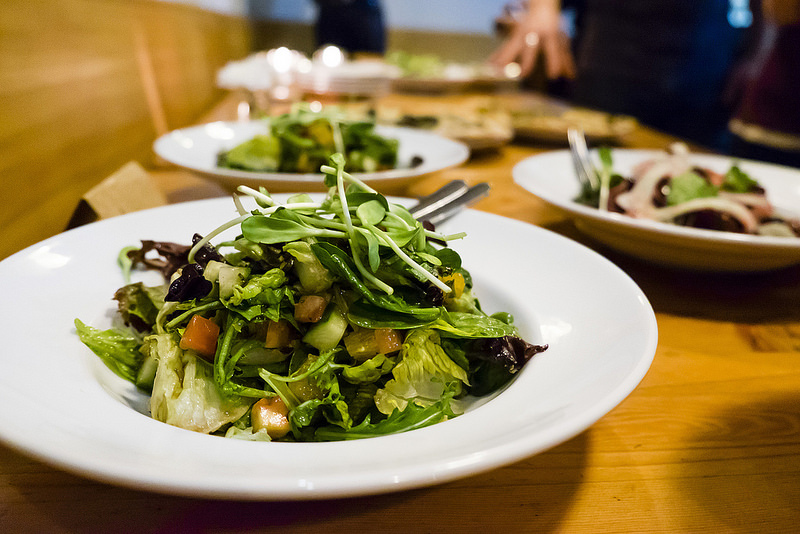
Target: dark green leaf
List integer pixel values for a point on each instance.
(470, 325)
(338, 262)
(413, 417)
(368, 315)
(487, 377)
(449, 258)
(281, 228)
(737, 181)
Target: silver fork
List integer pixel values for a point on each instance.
(439, 198)
(580, 159)
(448, 200)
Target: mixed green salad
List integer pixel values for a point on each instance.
(417, 65)
(335, 319)
(303, 140)
(669, 188)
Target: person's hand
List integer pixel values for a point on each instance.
(538, 32)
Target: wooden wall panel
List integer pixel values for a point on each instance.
(187, 47)
(86, 86)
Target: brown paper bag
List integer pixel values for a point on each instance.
(127, 190)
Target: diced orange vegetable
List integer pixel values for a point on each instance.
(388, 340)
(201, 336)
(365, 343)
(361, 343)
(278, 334)
(310, 308)
(457, 283)
(306, 388)
(270, 414)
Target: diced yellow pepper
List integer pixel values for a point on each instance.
(457, 283)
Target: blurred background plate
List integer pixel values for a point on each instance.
(196, 149)
(479, 127)
(551, 177)
(550, 122)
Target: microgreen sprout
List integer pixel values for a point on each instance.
(365, 223)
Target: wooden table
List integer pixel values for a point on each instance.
(709, 441)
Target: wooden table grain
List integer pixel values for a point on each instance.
(708, 442)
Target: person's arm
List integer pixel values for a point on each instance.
(538, 32)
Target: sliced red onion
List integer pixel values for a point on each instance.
(734, 209)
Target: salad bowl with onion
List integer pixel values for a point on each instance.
(697, 211)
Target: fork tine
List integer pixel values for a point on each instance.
(472, 195)
(439, 198)
(580, 157)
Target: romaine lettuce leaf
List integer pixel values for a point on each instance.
(261, 295)
(184, 392)
(369, 371)
(422, 375)
(247, 434)
(464, 303)
(255, 288)
(118, 349)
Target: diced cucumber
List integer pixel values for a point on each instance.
(230, 276)
(327, 333)
(147, 373)
(211, 272)
(262, 356)
(226, 275)
(314, 277)
(361, 344)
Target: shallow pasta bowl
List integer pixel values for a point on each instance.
(551, 177)
(196, 148)
(61, 405)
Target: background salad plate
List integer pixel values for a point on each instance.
(551, 177)
(196, 149)
(61, 405)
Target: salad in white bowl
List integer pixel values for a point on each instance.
(322, 321)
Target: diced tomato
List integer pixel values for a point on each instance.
(310, 308)
(388, 340)
(278, 334)
(201, 336)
